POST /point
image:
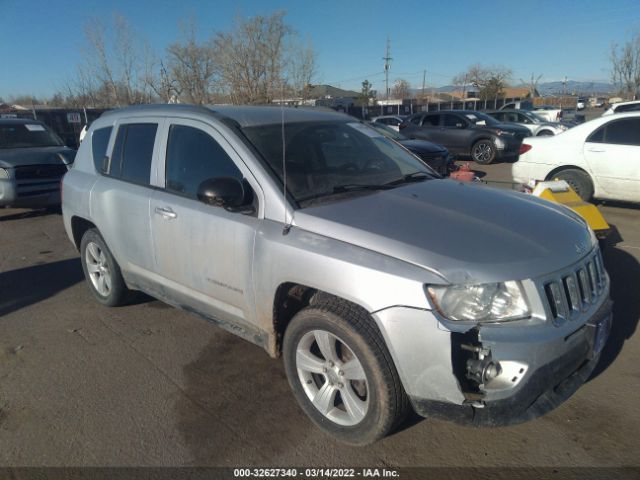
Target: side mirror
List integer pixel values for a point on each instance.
(223, 192)
(104, 167)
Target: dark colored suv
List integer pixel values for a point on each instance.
(467, 133)
(33, 160)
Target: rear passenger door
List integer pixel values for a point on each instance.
(613, 155)
(203, 253)
(121, 195)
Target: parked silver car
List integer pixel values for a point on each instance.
(312, 235)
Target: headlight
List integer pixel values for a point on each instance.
(487, 302)
(4, 173)
(562, 127)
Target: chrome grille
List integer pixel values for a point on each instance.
(576, 289)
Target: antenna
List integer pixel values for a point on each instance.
(287, 226)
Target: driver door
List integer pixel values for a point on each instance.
(203, 253)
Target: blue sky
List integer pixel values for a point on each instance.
(41, 41)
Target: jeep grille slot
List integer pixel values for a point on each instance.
(575, 290)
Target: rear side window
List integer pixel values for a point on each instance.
(451, 120)
(431, 120)
(99, 143)
(133, 152)
(632, 107)
(193, 156)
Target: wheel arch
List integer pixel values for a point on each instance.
(79, 227)
(562, 168)
(290, 298)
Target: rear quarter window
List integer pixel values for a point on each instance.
(99, 143)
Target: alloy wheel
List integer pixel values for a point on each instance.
(98, 269)
(332, 377)
(482, 152)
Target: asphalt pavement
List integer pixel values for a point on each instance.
(146, 384)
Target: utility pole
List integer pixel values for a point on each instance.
(387, 65)
(424, 81)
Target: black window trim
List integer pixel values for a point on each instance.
(187, 122)
(604, 127)
(127, 122)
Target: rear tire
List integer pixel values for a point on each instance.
(342, 374)
(545, 133)
(579, 181)
(483, 152)
(102, 271)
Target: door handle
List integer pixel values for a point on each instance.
(595, 150)
(166, 212)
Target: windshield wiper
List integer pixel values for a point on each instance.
(358, 186)
(410, 177)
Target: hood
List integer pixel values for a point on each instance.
(422, 146)
(20, 157)
(469, 233)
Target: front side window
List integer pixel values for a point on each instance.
(193, 156)
(99, 143)
(450, 120)
(597, 136)
(26, 135)
(133, 152)
(333, 160)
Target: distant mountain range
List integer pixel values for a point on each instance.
(553, 88)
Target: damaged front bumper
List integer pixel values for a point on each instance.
(495, 374)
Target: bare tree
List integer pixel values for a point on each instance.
(251, 58)
(490, 81)
(302, 68)
(401, 89)
(192, 72)
(533, 85)
(625, 67)
(109, 73)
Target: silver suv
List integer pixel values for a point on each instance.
(383, 286)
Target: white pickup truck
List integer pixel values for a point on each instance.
(551, 114)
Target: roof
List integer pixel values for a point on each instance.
(249, 116)
(246, 116)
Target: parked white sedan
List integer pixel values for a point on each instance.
(599, 159)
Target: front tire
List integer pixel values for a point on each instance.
(342, 374)
(102, 271)
(545, 133)
(579, 181)
(483, 152)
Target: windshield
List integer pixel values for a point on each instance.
(24, 135)
(324, 159)
(480, 118)
(536, 117)
(387, 131)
